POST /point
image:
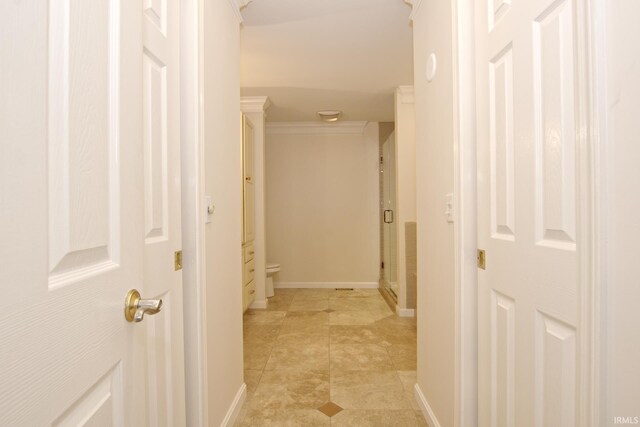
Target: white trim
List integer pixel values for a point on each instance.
(306, 128)
(254, 104)
(405, 312)
(192, 187)
(428, 413)
(326, 285)
(465, 216)
(405, 94)
(259, 305)
(236, 406)
(591, 86)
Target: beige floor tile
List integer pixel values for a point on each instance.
(280, 302)
(296, 356)
(257, 333)
(354, 293)
(396, 332)
(304, 338)
(374, 418)
(348, 304)
(369, 357)
(256, 355)
(306, 321)
(420, 418)
(368, 390)
(285, 291)
(312, 294)
(403, 356)
(251, 379)
(297, 389)
(350, 318)
(309, 304)
(353, 334)
(264, 317)
(288, 418)
(289, 348)
(409, 379)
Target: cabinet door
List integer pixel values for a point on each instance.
(249, 185)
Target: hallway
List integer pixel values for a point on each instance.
(321, 357)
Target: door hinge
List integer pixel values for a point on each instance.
(177, 260)
(382, 265)
(482, 261)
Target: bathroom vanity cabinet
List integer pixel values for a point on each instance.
(248, 214)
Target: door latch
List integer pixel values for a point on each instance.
(482, 259)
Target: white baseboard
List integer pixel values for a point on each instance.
(235, 407)
(425, 408)
(405, 312)
(326, 285)
(259, 305)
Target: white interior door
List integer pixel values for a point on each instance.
(162, 228)
(73, 186)
(528, 295)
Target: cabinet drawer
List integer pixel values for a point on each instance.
(249, 253)
(250, 293)
(249, 272)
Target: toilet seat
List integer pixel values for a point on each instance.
(273, 267)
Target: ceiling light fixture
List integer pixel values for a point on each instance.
(330, 115)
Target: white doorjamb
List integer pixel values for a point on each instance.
(465, 215)
(591, 214)
(193, 214)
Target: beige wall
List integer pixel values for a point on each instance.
(222, 182)
(621, 349)
(434, 167)
(322, 206)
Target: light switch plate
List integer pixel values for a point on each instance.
(449, 207)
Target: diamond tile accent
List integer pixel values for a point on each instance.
(328, 310)
(330, 409)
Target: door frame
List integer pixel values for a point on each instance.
(591, 208)
(465, 214)
(193, 215)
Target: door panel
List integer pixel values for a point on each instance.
(71, 215)
(77, 217)
(528, 295)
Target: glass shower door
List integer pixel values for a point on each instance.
(389, 230)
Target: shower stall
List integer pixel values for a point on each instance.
(389, 232)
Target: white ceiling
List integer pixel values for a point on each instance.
(312, 55)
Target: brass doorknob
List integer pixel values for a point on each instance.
(135, 307)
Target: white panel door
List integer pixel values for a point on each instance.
(72, 219)
(528, 295)
(162, 229)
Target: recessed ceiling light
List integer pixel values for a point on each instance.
(330, 115)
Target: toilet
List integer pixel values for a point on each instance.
(272, 268)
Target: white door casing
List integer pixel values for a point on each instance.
(161, 136)
(529, 106)
(73, 196)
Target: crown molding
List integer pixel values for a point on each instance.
(254, 104)
(415, 5)
(405, 94)
(310, 128)
(237, 6)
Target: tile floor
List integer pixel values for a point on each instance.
(325, 357)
